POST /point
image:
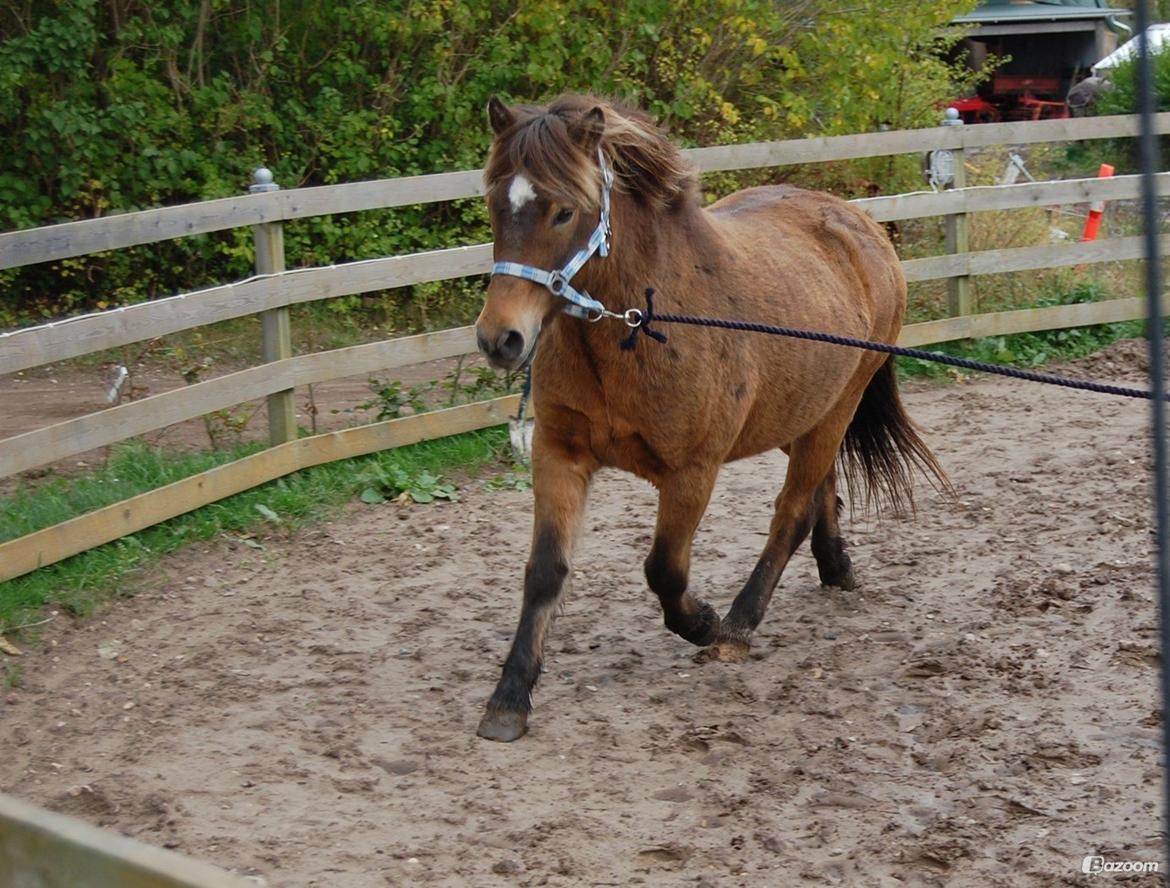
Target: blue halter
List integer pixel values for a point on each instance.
(581, 304)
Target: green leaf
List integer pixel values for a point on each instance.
(268, 513)
(372, 495)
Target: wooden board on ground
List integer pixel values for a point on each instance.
(41, 849)
(25, 554)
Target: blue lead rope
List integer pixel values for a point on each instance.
(558, 282)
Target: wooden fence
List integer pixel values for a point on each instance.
(40, 849)
(37, 847)
(272, 291)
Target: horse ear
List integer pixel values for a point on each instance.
(587, 129)
(500, 116)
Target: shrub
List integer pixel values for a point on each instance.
(115, 105)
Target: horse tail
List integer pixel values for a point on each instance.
(882, 447)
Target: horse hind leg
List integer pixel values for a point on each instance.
(807, 501)
(682, 500)
(828, 546)
(881, 448)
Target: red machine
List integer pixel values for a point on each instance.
(1040, 51)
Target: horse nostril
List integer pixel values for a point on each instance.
(510, 345)
(484, 345)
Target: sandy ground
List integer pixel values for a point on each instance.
(980, 712)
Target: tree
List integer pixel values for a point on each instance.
(122, 104)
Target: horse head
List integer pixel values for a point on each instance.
(545, 194)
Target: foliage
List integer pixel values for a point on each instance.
(518, 479)
(1159, 10)
(13, 675)
(113, 105)
(484, 383)
(387, 482)
(1122, 98)
(391, 400)
(873, 65)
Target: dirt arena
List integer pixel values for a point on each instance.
(980, 712)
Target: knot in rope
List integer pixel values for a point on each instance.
(641, 324)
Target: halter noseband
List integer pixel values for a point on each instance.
(581, 304)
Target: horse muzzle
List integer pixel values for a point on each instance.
(506, 349)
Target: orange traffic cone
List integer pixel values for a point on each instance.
(1096, 209)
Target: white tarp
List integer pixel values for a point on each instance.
(1159, 37)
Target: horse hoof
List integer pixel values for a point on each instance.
(725, 650)
(700, 630)
(847, 582)
(502, 726)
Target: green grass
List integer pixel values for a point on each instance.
(13, 675)
(78, 583)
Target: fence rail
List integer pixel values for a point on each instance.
(1022, 259)
(48, 343)
(981, 198)
(114, 232)
(123, 230)
(58, 341)
(27, 553)
(26, 348)
(40, 849)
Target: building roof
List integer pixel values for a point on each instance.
(1034, 12)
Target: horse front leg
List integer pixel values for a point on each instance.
(682, 500)
(560, 485)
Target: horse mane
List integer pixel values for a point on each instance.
(543, 144)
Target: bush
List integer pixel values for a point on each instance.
(115, 105)
(1122, 98)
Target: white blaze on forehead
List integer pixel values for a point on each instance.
(520, 192)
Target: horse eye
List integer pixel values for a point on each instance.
(563, 216)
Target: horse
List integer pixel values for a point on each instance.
(590, 205)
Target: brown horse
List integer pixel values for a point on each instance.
(673, 413)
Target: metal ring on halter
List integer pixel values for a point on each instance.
(601, 312)
(632, 317)
(557, 283)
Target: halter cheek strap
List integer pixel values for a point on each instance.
(581, 304)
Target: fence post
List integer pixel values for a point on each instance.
(958, 288)
(275, 323)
